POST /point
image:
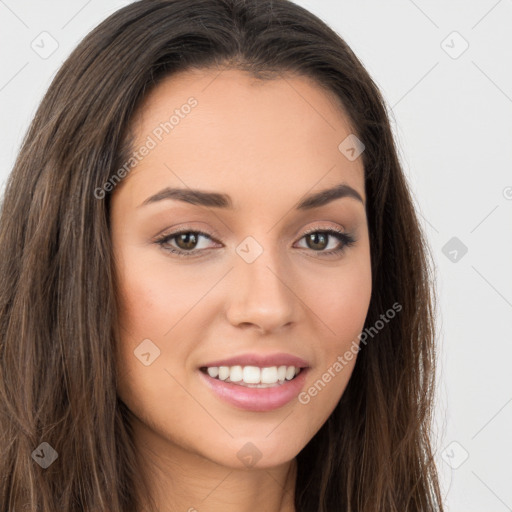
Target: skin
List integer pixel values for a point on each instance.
(266, 144)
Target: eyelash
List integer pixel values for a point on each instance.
(346, 239)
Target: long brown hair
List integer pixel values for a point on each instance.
(58, 305)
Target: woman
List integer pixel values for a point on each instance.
(215, 291)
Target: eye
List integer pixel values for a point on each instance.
(318, 240)
(186, 242)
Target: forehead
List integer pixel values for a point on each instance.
(224, 129)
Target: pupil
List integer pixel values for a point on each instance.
(314, 237)
(189, 239)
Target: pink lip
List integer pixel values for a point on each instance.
(263, 361)
(256, 399)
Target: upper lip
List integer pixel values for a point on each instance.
(261, 360)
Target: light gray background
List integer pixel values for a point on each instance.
(452, 117)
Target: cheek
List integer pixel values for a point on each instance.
(340, 302)
(160, 310)
(343, 307)
(156, 295)
(149, 306)
(150, 363)
(339, 299)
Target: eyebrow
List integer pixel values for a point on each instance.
(218, 200)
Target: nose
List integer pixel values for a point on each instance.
(262, 294)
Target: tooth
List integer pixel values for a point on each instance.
(290, 372)
(223, 372)
(235, 374)
(213, 371)
(269, 375)
(251, 374)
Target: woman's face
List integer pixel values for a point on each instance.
(226, 160)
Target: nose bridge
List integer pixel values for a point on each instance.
(262, 294)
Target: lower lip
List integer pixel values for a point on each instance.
(257, 399)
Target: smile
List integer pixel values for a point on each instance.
(253, 376)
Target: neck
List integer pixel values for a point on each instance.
(184, 481)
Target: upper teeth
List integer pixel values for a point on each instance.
(253, 374)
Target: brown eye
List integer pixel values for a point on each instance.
(186, 241)
(319, 240)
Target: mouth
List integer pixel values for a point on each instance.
(253, 376)
(256, 382)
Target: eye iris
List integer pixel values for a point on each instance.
(190, 240)
(315, 237)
